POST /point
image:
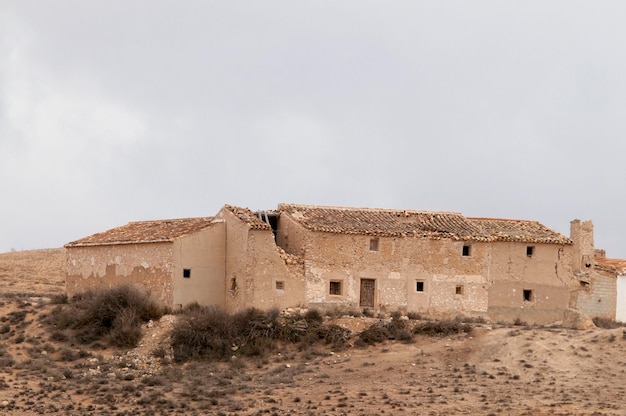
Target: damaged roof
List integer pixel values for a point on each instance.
(145, 232)
(612, 266)
(426, 224)
(254, 220)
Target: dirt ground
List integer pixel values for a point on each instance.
(497, 370)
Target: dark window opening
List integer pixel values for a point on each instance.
(233, 284)
(466, 250)
(270, 218)
(335, 288)
(187, 273)
(419, 286)
(374, 244)
(530, 250)
(459, 290)
(280, 285)
(528, 295)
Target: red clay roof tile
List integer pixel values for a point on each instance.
(145, 232)
(407, 223)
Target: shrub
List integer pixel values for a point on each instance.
(59, 299)
(313, 316)
(442, 327)
(203, 332)
(115, 314)
(126, 329)
(374, 334)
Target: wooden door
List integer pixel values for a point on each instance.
(368, 287)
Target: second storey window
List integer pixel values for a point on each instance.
(466, 250)
(419, 286)
(373, 244)
(530, 250)
(187, 273)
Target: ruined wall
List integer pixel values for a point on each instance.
(599, 297)
(258, 273)
(533, 288)
(203, 254)
(147, 265)
(581, 233)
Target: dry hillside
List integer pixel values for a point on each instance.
(495, 370)
(40, 272)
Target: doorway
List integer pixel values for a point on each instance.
(368, 288)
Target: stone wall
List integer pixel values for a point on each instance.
(598, 298)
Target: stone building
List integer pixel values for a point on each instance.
(178, 261)
(439, 263)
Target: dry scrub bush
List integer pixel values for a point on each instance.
(212, 334)
(114, 314)
(442, 327)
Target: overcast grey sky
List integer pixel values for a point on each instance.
(115, 111)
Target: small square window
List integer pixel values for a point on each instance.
(459, 290)
(419, 286)
(466, 250)
(528, 295)
(374, 244)
(187, 273)
(530, 250)
(280, 285)
(335, 288)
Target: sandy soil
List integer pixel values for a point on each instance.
(497, 370)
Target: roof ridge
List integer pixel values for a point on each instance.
(209, 217)
(347, 208)
(501, 219)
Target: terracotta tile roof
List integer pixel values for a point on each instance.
(520, 230)
(612, 266)
(249, 217)
(145, 232)
(406, 223)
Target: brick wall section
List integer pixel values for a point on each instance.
(599, 298)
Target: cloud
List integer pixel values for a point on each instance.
(119, 111)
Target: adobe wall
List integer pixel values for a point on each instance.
(599, 297)
(492, 279)
(149, 266)
(203, 253)
(254, 265)
(546, 276)
(397, 266)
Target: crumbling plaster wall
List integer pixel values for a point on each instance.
(253, 266)
(147, 265)
(491, 279)
(396, 266)
(547, 274)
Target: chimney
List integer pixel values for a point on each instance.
(581, 233)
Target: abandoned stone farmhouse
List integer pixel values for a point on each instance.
(439, 263)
